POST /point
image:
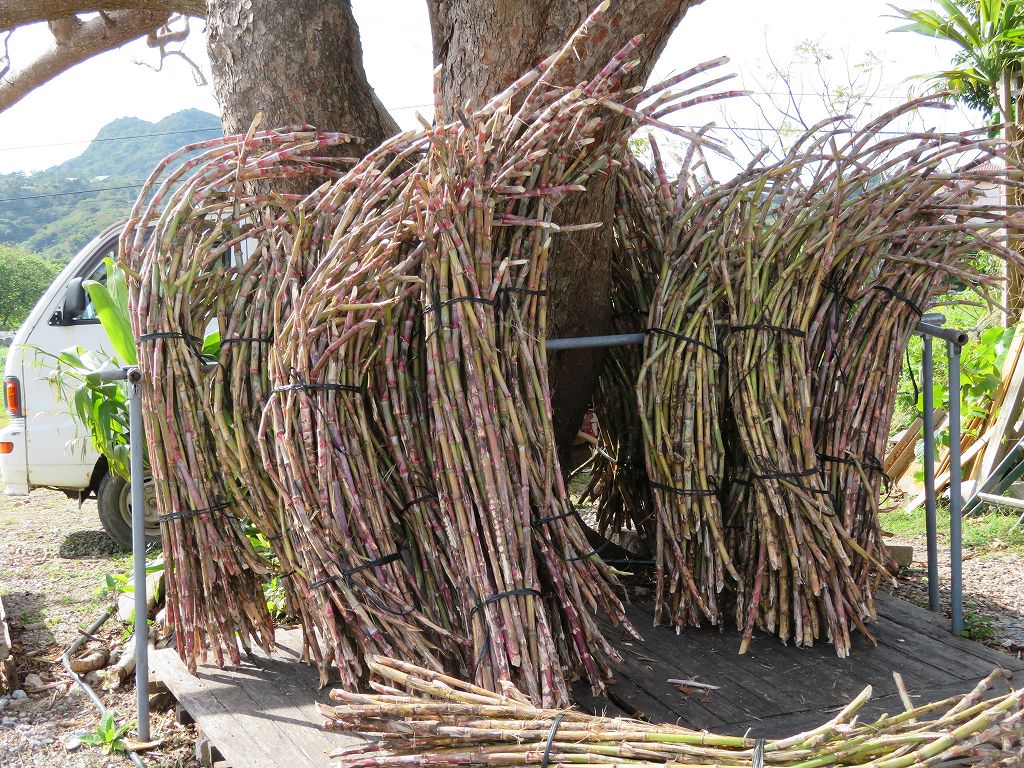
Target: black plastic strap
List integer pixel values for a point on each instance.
(682, 491)
(327, 387)
(682, 337)
(417, 500)
(275, 537)
(767, 327)
(901, 296)
(253, 339)
(169, 335)
(292, 572)
(526, 291)
(870, 463)
(187, 513)
(503, 595)
(551, 739)
(448, 302)
(551, 518)
(349, 572)
(785, 475)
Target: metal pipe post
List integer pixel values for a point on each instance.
(928, 419)
(138, 480)
(956, 584)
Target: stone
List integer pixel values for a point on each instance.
(35, 744)
(93, 679)
(903, 554)
(18, 695)
(72, 744)
(34, 682)
(8, 721)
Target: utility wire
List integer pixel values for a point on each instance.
(155, 135)
(73, 192)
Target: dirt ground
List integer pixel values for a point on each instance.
(53, 557)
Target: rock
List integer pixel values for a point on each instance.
(36, 626)
(93, 679)
(903, 554)
(18, 695)
(162, 702)
(8, 721)
(72, 744)
(35, 744)
(34, 682)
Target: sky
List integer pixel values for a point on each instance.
(55, 122)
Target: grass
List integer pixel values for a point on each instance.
(991, 529)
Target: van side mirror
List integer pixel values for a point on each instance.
(74, 300)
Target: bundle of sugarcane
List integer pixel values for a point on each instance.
(206, 253)
(617, 482)
(679, 393)
(419, 718)
(413, 355)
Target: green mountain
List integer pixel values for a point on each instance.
(57, 211)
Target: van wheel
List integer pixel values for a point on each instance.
(114, 498)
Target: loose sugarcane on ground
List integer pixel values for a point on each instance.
(415, 717)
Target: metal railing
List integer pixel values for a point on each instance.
(931, 328)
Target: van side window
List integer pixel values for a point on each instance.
(99, 274)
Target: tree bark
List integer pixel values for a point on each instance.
(293, 60)
(15, 13)
(482, 47)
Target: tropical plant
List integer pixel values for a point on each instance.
(108, 735)
(989, 34)
(100, 407)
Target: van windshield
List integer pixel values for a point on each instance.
(98, 273)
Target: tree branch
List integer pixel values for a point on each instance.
(16, 13)
(75, 45)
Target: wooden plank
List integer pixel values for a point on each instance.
(1005, 405)
(195, 695)
(935, 626)
(261, 714)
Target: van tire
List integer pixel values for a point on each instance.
(113, 497)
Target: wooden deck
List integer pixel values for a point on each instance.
(263, 714)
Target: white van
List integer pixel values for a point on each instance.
(43, 447)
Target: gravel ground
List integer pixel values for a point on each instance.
(53, 556)
(993, 592)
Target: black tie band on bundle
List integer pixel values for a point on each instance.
(685, 338)
(187, 513)
(419, 499)
(768, 327)
(324, 387)
(901, 296)
(551, 518)
(249, 339)
(551, 739)
(349, 572)
(682, 491)
(524, 592)
(870, 464)
(155, 335)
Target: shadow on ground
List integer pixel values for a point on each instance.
(89, 544)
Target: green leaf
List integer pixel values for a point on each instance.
(114, 319)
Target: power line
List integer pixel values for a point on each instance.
(155, 135)
(74, 192)
(109, 138)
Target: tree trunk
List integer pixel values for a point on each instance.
(293, 60)
(482, 47)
